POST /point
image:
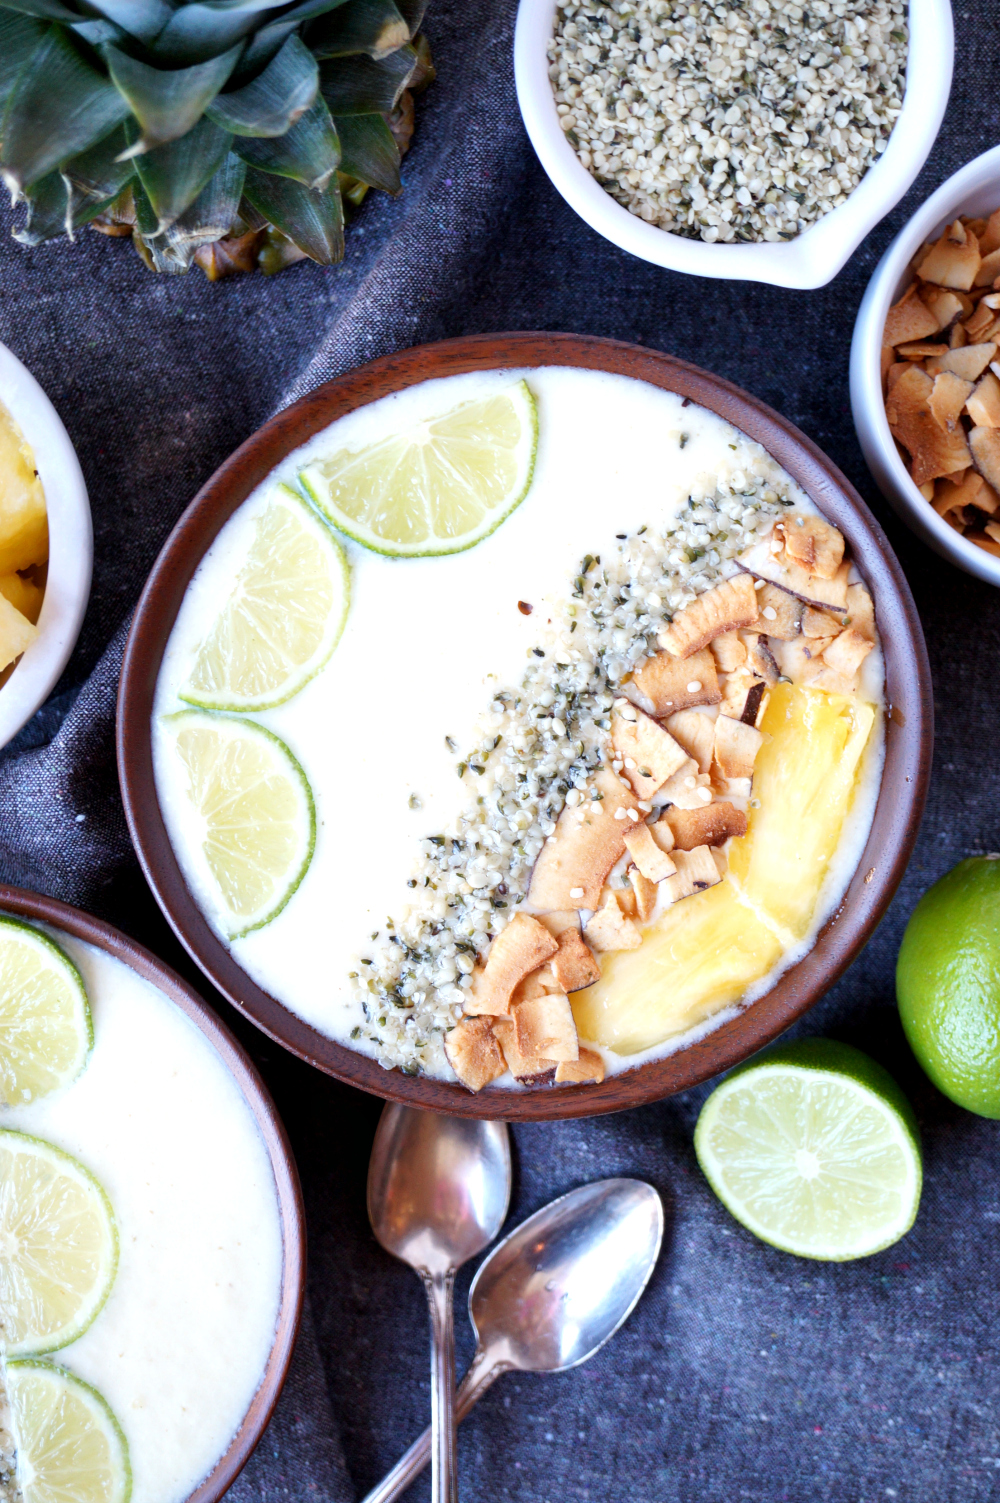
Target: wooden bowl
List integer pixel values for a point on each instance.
(30, 905)
(909, 733)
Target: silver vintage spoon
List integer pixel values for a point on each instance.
(551, 1294)
(438, 1191)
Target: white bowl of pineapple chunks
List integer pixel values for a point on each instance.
(46, 546)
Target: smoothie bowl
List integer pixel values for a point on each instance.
(525, 726)
(151, 1220)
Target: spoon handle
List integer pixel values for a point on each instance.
(483, 1371)
(444, 1467)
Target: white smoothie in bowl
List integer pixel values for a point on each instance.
(156, 1128)
(408, 826)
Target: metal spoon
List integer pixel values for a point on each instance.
(551, 1294)
(438, 1191)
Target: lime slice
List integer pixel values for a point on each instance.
(441, 486)
(69, 1444)
(815, 1149)
(256, 807)
(46, 1032)
(59, 1244)
(283, 618)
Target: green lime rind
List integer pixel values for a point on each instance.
(948, 984)
(20, 1370)
(296, 771)
(374, 544)
(860, 1078)
(40, 1346)
(84, 1019)
(271, 702)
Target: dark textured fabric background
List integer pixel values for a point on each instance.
(744, 1374)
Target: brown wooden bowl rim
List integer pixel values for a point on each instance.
(909, 728)
(16, 902)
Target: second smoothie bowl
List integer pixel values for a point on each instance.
(525, 726)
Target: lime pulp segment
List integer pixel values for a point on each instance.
(815, 1150)
(60, 1246)
(258, 820)
(46, 1031)
(283, 618)
(439, 487)
(69, 1444)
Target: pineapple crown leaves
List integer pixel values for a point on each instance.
(183, 122)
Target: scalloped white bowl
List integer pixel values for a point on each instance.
(974, 190)
(815, 256)
(71, 547)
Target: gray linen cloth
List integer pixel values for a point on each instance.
(744, 1373)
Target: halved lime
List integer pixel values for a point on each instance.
(70, 1447)
(439, 487)
(283, 618)
(815, 1149)
(59, 1246)
(46, 1031)
(258, 821)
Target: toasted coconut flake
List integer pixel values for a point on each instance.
(779, 570)
(755, 705)
(696, 870)
(934, 451)
(984, 541)
(811, 543)
(518, 950)
(662, 834)
(529, 1071)
(736, 690)
(802, 660)
(712, 825)
(578, 857)
(573, 965)
(650, 859)
(625, 896)
(544, 1029)
(728, 652)
(760, 659)
(473, 1053)
(909, 319)
(861, 611)
(645, 893)
(780, 613)
(611, 929)
(696, 734)
(846, 654)
(958, 337)
(688, 788)
(945, 305)
(969, 363)
(821, 623)
(728, 606)
(979, 322)
(650, 753)
(922, 350)
(983, 405)
(989, 270)
(588, 1068)
(985, 446)
(560, 921)
(736, 747)
(954, 260)
(947, 399)
(989, 240)
(671, 683)
(894, 373)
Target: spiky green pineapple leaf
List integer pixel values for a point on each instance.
(97, 175)
(173, 175)
(375, 27)
(414, 11)
(19, 37)
(47, 211)
(98, 32)
(364, 86)
(313, 221)
(201, 30)
(369, 152)
(57, 107)
(265, 43)
(48, 10)
(167, 102)
(275, 99)
(309, 152)
(143, 19)
(209, 218)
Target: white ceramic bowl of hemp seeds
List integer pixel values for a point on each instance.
(767, 143)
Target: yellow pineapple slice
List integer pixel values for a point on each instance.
(700, 956)
(24, 531)
(804, 779)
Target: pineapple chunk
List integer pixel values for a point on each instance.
(804, 778)
(16, 633)
(24, 530)
(699, 957)
(24, 595)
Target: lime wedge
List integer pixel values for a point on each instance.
(441, 486)
(815, 1149)
(283, 618)
(69, 1444)
(46, 1032)
(60, 1246)
(258, 821)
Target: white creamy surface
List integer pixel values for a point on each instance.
(181, 1345)
(426, 645)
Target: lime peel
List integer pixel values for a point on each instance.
(88, 1463)
(46, 1028)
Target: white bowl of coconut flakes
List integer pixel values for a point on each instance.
(827, 137)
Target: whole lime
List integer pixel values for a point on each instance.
(948, 984)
